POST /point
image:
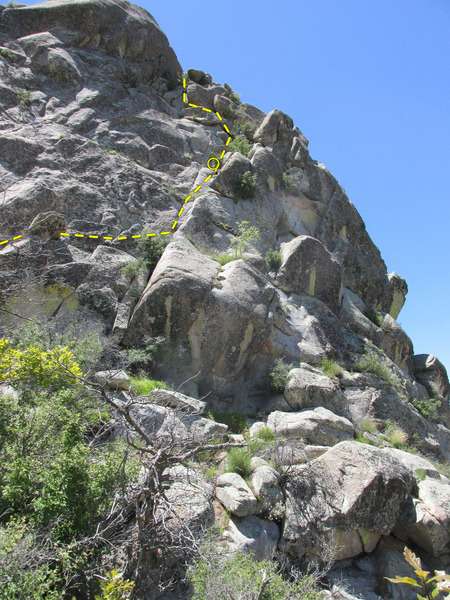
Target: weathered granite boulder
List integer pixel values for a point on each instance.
(275, 128)
(264, 482)
(178, 401)
(235, 495)
(425, 519)
(113, 380)
(431, 373)
(347, 497)
(318, 425)
(308, 387)
(254, 535)
(48, 226)
(233, 169)
(309, 269)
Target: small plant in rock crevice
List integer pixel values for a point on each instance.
(245, 186)
(273, 259)
(331, 368)
(248, 234)
(374, 316)
(279, 376)
(240, 144)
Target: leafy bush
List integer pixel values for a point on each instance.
(236, 420)
(371, 363)
(360, 437)
(144, 385)
(273, 259)
(240, 144)
(246, 128)
(374, 315)
(279, 376)
(248, 234)
(7, 54)
(266, 433)
(331, 368)
(131, 270)
(151, 249)
(429, 586)
(245, 186)
(238, 461)
(237, 575)
(224, 259)
(428, 407)
(115, 587)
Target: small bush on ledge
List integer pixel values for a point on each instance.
(245, 186)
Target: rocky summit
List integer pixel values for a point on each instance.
(237, 304)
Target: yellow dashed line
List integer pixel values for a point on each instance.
(110, 238)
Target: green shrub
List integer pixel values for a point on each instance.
(238, 461)
(224, 259)
(151, 249)
(114, 152)
(7, 54)
(131, 270)
(144, 385)
(245, 186)
(331, 368)
(273, 259)
(248, 234)
(222, 577)
(360, 437)
(236, 420)
(374, 315)
(371, 363)
(246, 128)
(266, 434)
(115, 587)
(279, 376)
(369, 426)
(291, 181)
(240, 144)
(235, 97)
(428, 407)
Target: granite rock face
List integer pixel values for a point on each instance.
(98, 151)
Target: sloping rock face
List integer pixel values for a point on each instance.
(96, 142)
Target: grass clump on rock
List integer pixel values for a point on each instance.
(238, 461)
(331, 368)
(144, 385)
(279, 376)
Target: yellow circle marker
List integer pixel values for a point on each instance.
(214, 168)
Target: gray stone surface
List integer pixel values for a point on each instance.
(235, 495)
(253, 535)
(348, 497)
(319, 426)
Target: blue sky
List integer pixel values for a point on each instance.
(368, 83)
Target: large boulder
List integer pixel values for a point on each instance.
(318, 426)
(308, 387)
(432, 374)
(118, 27)
(235, 495)
(264, 481)
(254, 535)
(309, 269)
(346, 498)
(425, 518)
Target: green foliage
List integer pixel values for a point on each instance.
(248, 234)
(33, 364)
(238, 575)
(245, 186)
(273, 259)
(238, 461)
(331, 368)
(224, 259)
(360, 437)
(371, 363)
(151, 249)
(395, 435)
(420, 473)
(114, 152)
(131, 270)
(115, 587)
(374, 315)
(279, 376)
(144, 385)
(240, 144)
(236, 420)
(24, 575)
(266, 433)
(291, 181)
(430, 587)
(235, 97)
(7, 54)
(244, 127)
(428, 407)
(369, 426)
